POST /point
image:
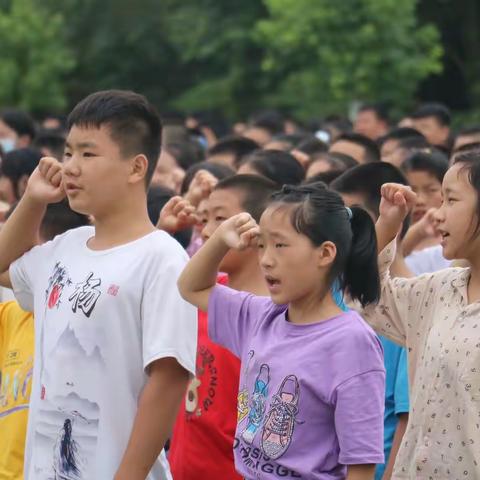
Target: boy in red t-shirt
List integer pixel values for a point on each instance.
(203, 435)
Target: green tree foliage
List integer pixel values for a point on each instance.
(326, 53)
(34, 58)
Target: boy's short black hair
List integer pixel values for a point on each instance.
(233, 145)
(18, 163)
(19, 121)
(186, 153)
(436, 110)
(59, 218)
(470, 130)
(54, 140)
(372, 152)
(216, 169)
(431, 161)
(133, 122)
(312, 146)
(325, 177)
(467, 148)
(280, 167)
(367, 180)
(256, 192)
(379, 109)
(269, 120)
(400, 134)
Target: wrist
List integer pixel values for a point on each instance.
(33, 202)
(388, 229)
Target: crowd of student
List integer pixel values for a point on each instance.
(189, 301)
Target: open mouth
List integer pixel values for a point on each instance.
(272, 282)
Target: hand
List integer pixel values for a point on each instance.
(45, 183)
(177, 214)
(201, 187)
(397, 200)
(428, 225)
(239, 232)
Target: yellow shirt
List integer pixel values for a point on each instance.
(431, 316)
(16, 368)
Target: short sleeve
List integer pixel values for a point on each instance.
(359, 412)
(232, 316)
(169, 323)
(401, 385)
(403, 302)
(24, 273)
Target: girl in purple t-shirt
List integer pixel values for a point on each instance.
(311, 393)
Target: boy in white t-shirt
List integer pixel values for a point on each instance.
(114, 342)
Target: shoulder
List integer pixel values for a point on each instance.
(358, 337)
(164, 247)
(71, 238)
(12, 312)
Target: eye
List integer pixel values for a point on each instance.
(280, 245)
(67, 154)
(89, 154)
(220, 219)
(260, 246)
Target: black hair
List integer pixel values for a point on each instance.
(269, 120)
(471, 163)
(216, 169)
(437, 110)
(133, 122)
(431, 161)
(312, 146)
(59, 218)
(54, 140)
(61, 119)
(467, 147)
(19, 121)
(256, 192)
(18, 163)
(157, 197)
(233, 145)
(291, 140)
(279, 166)
(325, 177)
(367, 180)
(470, 130)
(380, 110)
(186, 153)
(401, 133)
(320, 214)
(372, 152)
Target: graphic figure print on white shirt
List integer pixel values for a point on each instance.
(101, 317)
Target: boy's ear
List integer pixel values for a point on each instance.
(139, 168)
(326, 254)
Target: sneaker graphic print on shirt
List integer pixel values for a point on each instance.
(242, 402)
(257, 404)
(280, 421)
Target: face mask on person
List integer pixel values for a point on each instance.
(8, 144)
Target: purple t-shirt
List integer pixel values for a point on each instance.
(311, 397)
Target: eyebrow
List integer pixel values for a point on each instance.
(82, 145)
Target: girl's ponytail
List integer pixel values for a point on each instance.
(360, 277)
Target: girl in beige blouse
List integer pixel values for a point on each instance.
(437, 317)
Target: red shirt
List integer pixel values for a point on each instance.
(203, 435)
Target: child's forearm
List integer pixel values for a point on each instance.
(20, 232)
(360, 472)
(385, 233)
(157, 409)
(414, 236)
(200, 274)
(397, 441)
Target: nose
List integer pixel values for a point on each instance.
(71, 166)
(266, 258)
(439, 214)
(420, 198)
(207, 230)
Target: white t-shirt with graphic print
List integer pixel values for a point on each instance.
(101, 317)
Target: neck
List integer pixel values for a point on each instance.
(121, 225)
(249, 279)
(313, 309)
